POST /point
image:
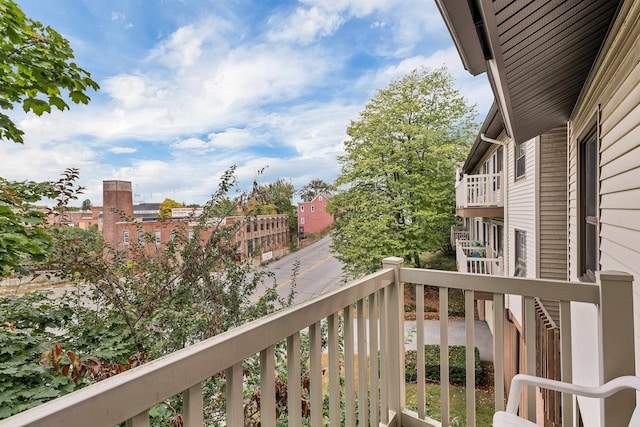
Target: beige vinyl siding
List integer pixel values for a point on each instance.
(521, 213)
(614, 91)
(553, 205)
(522, 207)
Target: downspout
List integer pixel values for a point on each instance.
(505, 197)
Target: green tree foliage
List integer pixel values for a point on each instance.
(24, 239)
(315, 187)
(172, 295)
(36, 69)
(166, 206)
(399, 171)
(86, 205)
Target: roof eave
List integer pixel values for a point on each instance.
(460, 23)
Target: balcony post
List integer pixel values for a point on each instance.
(395, 338)
(616, 342)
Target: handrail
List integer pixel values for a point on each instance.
(480, 190)
(110, 402)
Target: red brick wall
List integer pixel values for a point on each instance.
(115, 195)
(313, 217)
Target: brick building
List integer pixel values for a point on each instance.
(262, 237)
(313, 216)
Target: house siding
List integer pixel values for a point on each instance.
(521, 211)
(613, 93)
(552, 205)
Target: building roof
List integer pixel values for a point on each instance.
(538, 53)
(492, 127)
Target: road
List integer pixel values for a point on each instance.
(318, 272)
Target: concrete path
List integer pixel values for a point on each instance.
(457, 336)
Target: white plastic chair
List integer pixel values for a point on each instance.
(509, 418)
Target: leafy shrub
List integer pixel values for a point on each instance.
(457, 369)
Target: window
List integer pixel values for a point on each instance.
(520, 155)
(158, 237)
(302, 220)
(521, 254)
(301, 208)
(320, 198)
(125, 237)
(313, 208)
(141, 237)
(190, 235)
(588, 209)
(497, 168)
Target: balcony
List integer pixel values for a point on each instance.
(366, 316)
(480, 195)
(458, 233)
(472, 257)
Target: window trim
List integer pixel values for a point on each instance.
(585, 273)
(125, 237)
(520, 253)
(520, 153)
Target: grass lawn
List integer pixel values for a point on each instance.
(457, 405)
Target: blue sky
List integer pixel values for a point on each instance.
(191, 87)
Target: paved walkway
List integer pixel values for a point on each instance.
(457, 335)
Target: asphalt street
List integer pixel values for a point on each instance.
(318, 271)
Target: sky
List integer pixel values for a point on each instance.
(189, 88)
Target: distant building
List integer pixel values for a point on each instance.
(261, 237)
(85, 218)
(313, 216)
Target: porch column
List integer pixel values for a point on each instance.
(395, 338)
(616, 343)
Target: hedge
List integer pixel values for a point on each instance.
(457, 370)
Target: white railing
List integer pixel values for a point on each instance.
(372, 322)
(482, 190)
(472, 257)
(458, 233)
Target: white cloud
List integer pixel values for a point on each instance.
(305, 25)
(122, 150)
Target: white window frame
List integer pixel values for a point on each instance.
(125, 237)
(520, 156)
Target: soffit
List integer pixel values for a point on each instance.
(545, 53)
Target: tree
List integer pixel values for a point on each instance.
(36, 68)
(398, 171)
(315, 187)
(166, 206)
(86, 205)
(24, 238)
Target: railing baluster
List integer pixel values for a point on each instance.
(193, 415)
(444, 356)
(315, 350)
(349, 369)
(267, 388)
(363, 395)
(334, 372)
(384, 360)
(498, 350)
(565, 361)
(140, 420)
(469, 319)
(530, 353)
(373, 360)
(419, 292)
(233, 394)
(294, 389)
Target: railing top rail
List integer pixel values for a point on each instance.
(542, 288)
(124, 396)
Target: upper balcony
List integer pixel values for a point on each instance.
(480, 195)
(349, 388)
(473, 257)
